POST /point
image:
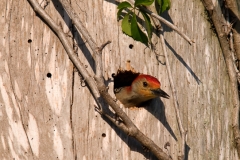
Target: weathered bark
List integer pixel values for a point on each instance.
(218, 20)
(53, 118)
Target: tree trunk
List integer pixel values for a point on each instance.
(47, 112)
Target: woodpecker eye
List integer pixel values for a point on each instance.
(145, 84)
(116, 90)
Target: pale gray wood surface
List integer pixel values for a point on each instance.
(54, 118)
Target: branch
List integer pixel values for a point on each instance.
(98, 56)
(233, 7)
(217, 18)
(118, 123)
(131, 130)
(233, 27)
(169, 25)
(229, 31)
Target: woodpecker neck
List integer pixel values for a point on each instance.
(131, 96)
(125, 95)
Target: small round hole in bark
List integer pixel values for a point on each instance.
(29, 41)
(104, 135)
(49, 75)
(130, 46)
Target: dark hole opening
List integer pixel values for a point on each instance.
(49, 75)
(130, 46)
(104, 135)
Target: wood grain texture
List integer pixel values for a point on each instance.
(54, 118)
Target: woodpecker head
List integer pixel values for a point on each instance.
(134, 89)
(148, 87)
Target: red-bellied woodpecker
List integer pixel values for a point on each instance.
(134, 89)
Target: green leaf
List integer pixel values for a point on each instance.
(148, 24)
(143, 2)
(166, 5)
(162, 5)
(136, 32)
(124, 5)
(121, 7)
(126, 25)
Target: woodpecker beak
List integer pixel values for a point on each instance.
(160, 93)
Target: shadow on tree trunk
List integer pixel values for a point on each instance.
(183, 62)
(157, 109)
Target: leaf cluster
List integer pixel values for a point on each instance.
(129, 20)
